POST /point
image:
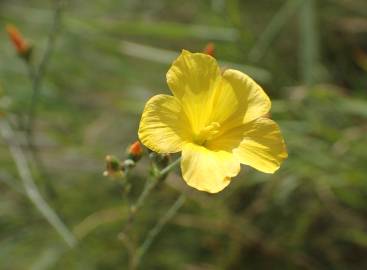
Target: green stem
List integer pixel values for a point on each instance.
(157, 229)
(171, 166)
(149, 186)
(37, 74)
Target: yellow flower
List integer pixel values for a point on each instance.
(216, 120)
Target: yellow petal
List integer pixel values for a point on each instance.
(252, 98)
(163, 127)
(207, 170)
(262, 146)
(229, 139)
(206, 97)
(192, 73)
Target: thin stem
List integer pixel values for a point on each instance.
(171, 166)
(30, 187)
(149, 186)
(37, 74)
(157, 229)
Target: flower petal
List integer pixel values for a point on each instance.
(252, 98)
(229, 139)
(192, 73)
(163, 126)
(207, 170)
(262, 146)
(206, 97)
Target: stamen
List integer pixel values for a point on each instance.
(207, 133)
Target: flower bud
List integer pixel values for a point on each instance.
(209, 49)
(135, 151)
(128, 164)
(20, 44)
(113, 167)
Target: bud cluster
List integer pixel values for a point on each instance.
(117, 168)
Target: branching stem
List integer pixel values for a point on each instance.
(149, 186)
(36, 75)
(30, 187)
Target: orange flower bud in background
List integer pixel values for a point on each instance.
(135, 151)
(20, 44)
(209, 49)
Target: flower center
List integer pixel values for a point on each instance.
(207, 133)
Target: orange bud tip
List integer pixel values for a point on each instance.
(135, 150)
(20, 44)
(209, 49)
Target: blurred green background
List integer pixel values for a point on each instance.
(111, 56)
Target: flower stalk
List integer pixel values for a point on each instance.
(37, 74)
(150, 184)
(152, 234)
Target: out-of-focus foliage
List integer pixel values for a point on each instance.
(310, 56)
